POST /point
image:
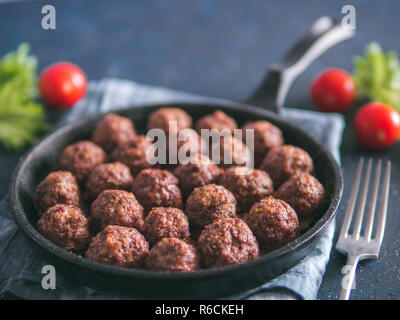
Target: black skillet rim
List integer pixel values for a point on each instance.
(34, 235)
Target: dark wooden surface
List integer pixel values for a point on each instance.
(216, 48)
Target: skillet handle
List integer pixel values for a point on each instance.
(322, 35)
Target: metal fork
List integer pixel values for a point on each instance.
(359, 247)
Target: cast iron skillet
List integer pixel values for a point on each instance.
(207, 283)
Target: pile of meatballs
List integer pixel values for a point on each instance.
(109, 204)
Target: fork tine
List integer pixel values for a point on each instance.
(352, 202)
(384, 204)
(361, 208)
(371, 215)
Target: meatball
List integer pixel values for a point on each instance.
(227, 241)
(108, 176)
(66, 226)
(165, 223)
(266, 136)
(157, 188)
(208, 203)
(112, 131)
(173, 254)
(284, 161)
(57, 187)
(230, 151)
(120, 246)
(248, 186)
(116, 207)
(197, 173)
(217, 120)
(304, 193)
(80, 158)
(274, 222)
(133, 154)
(163, 117)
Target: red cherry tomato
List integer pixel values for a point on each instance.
(62, 84)
(333, 91)
(377, 125)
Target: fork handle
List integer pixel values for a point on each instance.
(349, 271)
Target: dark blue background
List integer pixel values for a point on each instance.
(216, 48)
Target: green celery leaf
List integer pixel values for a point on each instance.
(377, 75)
(22, 119)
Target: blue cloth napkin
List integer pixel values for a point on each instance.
(20, 266)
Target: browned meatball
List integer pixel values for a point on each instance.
(116, 207)
(66, 226)
(163, 117)
(108, 176)
(133, 154)
(230, 151)
(80, 158)
(165, 223)
(197, 173)
(247, 185)
(173, 254)
(274, 222)
(157, 188)
(120, 246)
(227, 241)
(57, 187)
(112, 131)
(208, 203)
(304, 193)
(266, 136)
(217, 120)
(284, 161)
